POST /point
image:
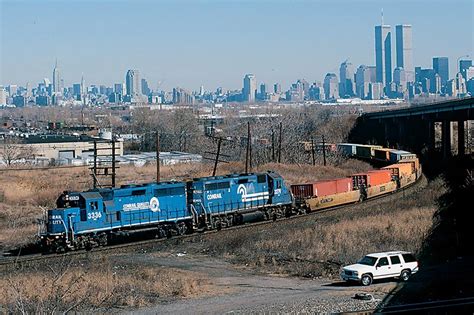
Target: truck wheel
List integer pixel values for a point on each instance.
(366, 279)
(405, 275)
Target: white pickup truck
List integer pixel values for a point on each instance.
(380, 266)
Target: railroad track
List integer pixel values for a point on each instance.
(20, 261)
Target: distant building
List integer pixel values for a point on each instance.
(403, 36)
(364, 76)
(133, 84)
(461, 84)
(56, 79)
(451, 89)
(469, 73)
(441, 67)
(383, 54)
(375, 91)
(3, 96)
(346, 77)
(277, 88)
(470, 86)
(330, 85)
(182, 96)
(145, 89)
(43, 100)
(463, 66)
(263, 91)
(76, 89)
(119, 88)
(250, 88)
(316, 92)
(19, 101)
(400, 80)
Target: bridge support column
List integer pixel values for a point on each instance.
(431, 136)
(461, 138)
(402, 129)
(446, 138)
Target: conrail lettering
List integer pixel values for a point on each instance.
(136, 206)
(214, 196)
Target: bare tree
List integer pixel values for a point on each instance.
(13, 150)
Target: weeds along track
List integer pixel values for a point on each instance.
(23, 261)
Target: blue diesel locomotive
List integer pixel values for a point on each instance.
(89, 219)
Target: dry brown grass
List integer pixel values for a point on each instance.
(318, 246)
(97, 288)
(24, 194)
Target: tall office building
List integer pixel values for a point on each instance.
(83, 86)
(277, 88)
(383, 54)
(331, 86)
(133, 84)
(403, 36)
(441, 67)
(250, 88)
(365, 75)
(346, 77)
(463, 66)
(76, 89)
(3, 96)
(56, 79)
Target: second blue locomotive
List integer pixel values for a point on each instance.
(92, 218)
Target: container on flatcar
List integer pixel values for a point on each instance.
(348, 149)
(399, 155)
(382, 154)
(415, 164)
(379, 177)
(400, 169)
(366, 151)
(322, 188)
(359, 180)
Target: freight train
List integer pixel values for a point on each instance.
(83, 220)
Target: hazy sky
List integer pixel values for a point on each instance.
(215, 43)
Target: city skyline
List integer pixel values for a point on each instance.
(229, 59)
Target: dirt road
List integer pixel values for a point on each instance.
(241, 290)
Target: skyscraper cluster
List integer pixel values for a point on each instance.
(390, 77)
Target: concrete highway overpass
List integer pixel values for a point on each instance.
(438, 127)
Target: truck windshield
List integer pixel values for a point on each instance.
(367, 260)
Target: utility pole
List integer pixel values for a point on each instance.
(217, 156)
(324, 151)
(273, 146)
(248, 155)
(312, 150)
(158, 178)
(279, 145)
(94, 171)
(113, 162)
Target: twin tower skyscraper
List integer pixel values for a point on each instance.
(383, 53)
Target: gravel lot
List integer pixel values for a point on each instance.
(241, 290)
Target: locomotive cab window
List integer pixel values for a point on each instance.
(139, 192)
(261, 179)
(278, 184)
(219, 185)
